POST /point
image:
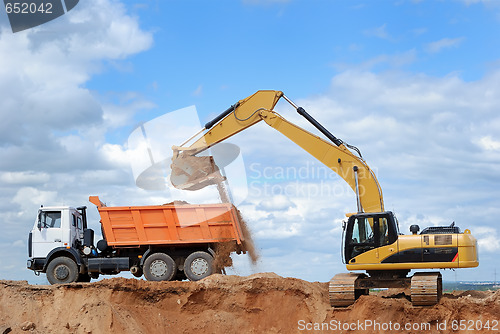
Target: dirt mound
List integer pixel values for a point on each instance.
(260, 303)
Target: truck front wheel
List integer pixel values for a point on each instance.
(159, 267)
(198, 265)
(62, 270)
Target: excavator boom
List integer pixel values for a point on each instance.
(190, 172)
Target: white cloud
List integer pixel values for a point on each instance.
(487, 238)
(419, 31)
(27, 177)
(394, 61)
(489, 144)
(53, 131)
(472, 2)
(445, 43)
(198, 91)
(432, 140)
(28, 197)
(264, 2)
(68, 51)
(418, 132)
(379, 32)
(276, 203)
(18, 244)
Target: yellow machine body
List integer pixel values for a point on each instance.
(428, 251)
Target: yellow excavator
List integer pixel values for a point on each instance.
(372, 241)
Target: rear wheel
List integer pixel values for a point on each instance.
(159, 267)
(62, 270)
(198, 265)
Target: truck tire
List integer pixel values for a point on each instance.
(198, 265)
(62, 270)
(159, 267)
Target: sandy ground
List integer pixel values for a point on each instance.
(260, 303)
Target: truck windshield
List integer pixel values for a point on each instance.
(50, 219)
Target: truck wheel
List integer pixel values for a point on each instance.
(62, 270)
(159, 267)
(198, 265)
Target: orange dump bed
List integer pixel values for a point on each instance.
(169, 224)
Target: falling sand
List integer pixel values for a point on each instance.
(193, 173)
(248, 244)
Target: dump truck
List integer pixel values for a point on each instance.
(161, 242)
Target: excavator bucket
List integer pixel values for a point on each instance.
(190, 172)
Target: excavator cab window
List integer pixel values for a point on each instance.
(383, 227)
(360, 236)
(368, 231)
(362, 231)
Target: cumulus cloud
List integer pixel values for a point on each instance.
(28, 197)
(486, 2)
(43, 73)
(279, 203)
(487, 238)
(379, 32)
(53, 130)
(489, 144)
(394, 60)
(431, 140)
(264, 2)
(445, 43)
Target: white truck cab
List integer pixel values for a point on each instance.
(58, 232)
(55, 227)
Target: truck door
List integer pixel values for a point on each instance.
(76, 229)
(47, 234)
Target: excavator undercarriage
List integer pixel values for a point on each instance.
(425, 287)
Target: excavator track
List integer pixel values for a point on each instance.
(342, 289)
(426, 288)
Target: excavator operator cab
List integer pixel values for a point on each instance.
(367, 231)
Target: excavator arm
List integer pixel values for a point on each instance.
(186, 168)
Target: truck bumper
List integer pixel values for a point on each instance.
(36, 264)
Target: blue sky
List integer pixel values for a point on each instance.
(414, 84)
(207, 53)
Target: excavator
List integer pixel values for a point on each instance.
(372, 241)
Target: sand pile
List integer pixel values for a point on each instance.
(261, 303)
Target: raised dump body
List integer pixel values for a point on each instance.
(169, 225)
